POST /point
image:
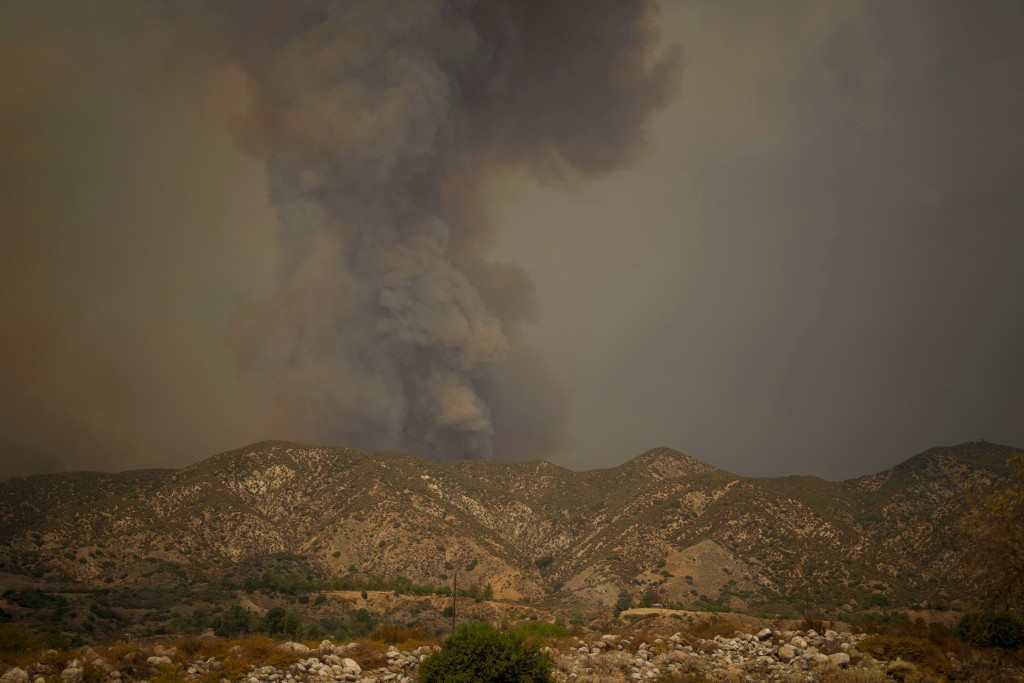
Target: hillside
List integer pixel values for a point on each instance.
(662, 524)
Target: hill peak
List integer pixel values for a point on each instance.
(667, 463)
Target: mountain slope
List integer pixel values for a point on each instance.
(663, 523)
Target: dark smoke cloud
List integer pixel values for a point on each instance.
(370, 314)
(377, 123)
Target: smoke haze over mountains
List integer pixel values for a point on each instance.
(510, 230)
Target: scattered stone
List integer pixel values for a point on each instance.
(786, 653)
(71, 674)
(15, 675)
(901, 668)
(296, 648)
(839, 658)
(162, 651)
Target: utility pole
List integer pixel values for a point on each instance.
(455, 593)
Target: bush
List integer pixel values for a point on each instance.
(393, 634)
(479, 653)
(16, 639)
(991, 629)
(541, 629)
(917, 650)
(716, 626)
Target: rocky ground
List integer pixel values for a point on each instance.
(766, 656)
(769, 655)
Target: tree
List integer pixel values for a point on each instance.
(233, 623)
(273, 621)
(989, 629)
(624, 602)
(649, 598)
(292, 623)
(994, 535)
(478, 653)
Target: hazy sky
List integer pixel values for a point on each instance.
(781, 237)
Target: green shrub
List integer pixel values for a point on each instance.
(479, 653)
(991, 629)
(541, 629)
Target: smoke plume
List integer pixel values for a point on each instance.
(166, 296)
(377, 123)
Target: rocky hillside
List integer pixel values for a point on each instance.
(663, 525)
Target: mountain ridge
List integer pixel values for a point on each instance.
(662, 524)
(649, 454)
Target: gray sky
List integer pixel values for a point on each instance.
(798, 250)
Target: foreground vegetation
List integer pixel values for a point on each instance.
(480, 652)
(980, 647)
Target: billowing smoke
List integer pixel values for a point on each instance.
(377, 123)
(166, 297)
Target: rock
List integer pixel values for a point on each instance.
(839, 659)
(15, 675)
(326, 646)
(786, 653)
(351, 666)
(158, 661)
(72, 674)
(764, 634)
(798, 642)
(899, 667)
(294, 648)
